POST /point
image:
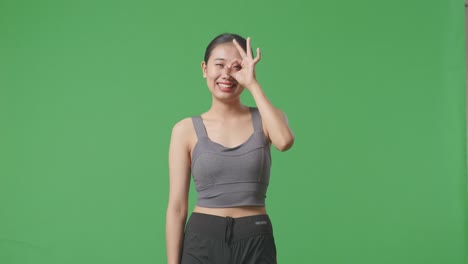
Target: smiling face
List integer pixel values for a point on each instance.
(218, 69)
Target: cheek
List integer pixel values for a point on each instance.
(211, 78)
(212, 74)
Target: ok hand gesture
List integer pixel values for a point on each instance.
(246, 75)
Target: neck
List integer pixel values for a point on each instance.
(227, 109)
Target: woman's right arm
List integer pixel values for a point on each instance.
(179, 183)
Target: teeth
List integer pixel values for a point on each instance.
(225, 86)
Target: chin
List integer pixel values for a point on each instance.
(226, 97)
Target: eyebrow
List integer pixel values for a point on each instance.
(219, 59)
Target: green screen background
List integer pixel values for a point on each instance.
(374, 92)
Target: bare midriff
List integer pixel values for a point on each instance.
(233, 212)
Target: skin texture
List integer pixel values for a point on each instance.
(228, 123)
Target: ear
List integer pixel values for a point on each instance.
(203, 66)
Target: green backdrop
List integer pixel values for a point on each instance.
(374, 92)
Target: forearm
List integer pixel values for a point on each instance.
(276, 124)
(175, 223)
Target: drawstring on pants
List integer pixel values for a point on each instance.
(228, 231)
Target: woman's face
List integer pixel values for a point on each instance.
(218, 69)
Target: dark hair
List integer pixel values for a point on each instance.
(224, 38)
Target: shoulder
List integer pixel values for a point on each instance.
(183, 124)
(183, 128)
(183, 136)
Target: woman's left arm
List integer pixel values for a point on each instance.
(274, 119)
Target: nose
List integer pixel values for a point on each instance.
(226, 70)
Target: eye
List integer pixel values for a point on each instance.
(237, 67)
(219, 65)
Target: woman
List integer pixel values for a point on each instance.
(227, 150)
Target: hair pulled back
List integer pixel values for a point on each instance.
(224, 38)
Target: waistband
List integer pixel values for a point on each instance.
(227, 228)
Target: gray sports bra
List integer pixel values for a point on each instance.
(229, 177)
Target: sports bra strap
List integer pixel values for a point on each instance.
(201, 131)
(256, 119)
(199, 127)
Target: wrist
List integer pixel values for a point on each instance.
(252, 85)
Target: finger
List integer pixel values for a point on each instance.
(259, 56)
(234, 75)
(235, 61)
(239, 48)
(249, 50)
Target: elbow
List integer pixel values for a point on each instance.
(177, 210)
(285, 144)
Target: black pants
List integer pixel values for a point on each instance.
(211, 239)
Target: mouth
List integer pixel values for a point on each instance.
(226, 86)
